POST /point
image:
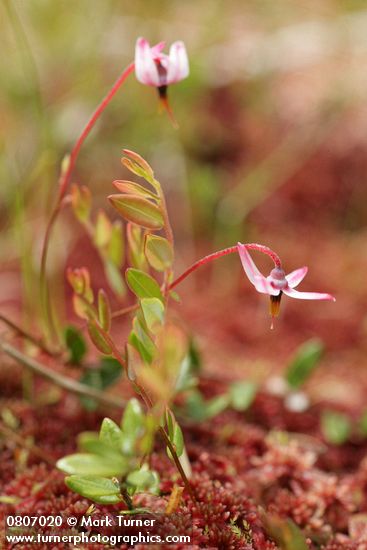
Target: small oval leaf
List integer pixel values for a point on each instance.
(159, 252)
(96, 488)
(98, 338)
(138, 210)
(142, 284)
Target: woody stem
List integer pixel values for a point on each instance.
(225, 252)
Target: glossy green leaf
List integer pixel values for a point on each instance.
(110, 434)
(92, 464)
(96, 488)
(98, 338)
(104, 310)
(138, 210)
(74, 341)
(336, 427)
(142, 284)
(159, 252)
(304, 363)
(153, 311)
(242, 394)
(90, 442)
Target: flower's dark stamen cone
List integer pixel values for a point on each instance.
(164, 104)
(274, 307)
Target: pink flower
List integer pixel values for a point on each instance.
(154, 68)
(277, 283)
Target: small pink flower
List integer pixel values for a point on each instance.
(154, 68)
(277, 283)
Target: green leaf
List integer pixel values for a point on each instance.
(175, 434)
(115, 251)
(138, 210)
(242, 394)
(305, 361)
(91, 464)
(114, 278)
(102, 230)
(133, 425)
(159, 252)
(216, 405)
(142, 284)
(110, 434)
(76, 345)
(133, 420)
(199, 409)
(140, 340)
(143, 480)
(98, 338)
(96, 488)
(108, 371)
(104, 310)
(135, 240)
(336, 427)
(89, 442)
(153, 311)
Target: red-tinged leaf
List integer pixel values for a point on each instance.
(133, 188)
(98, 337)
(138, 162)
(138, 210)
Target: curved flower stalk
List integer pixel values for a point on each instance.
(154, 68)
(277, 283)
(274, 285)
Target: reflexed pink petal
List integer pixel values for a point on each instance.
(248, 264)
(264, 286)
(145, 67)
(156, 50)
(295, 277)
(178, 67)
(307, 295)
